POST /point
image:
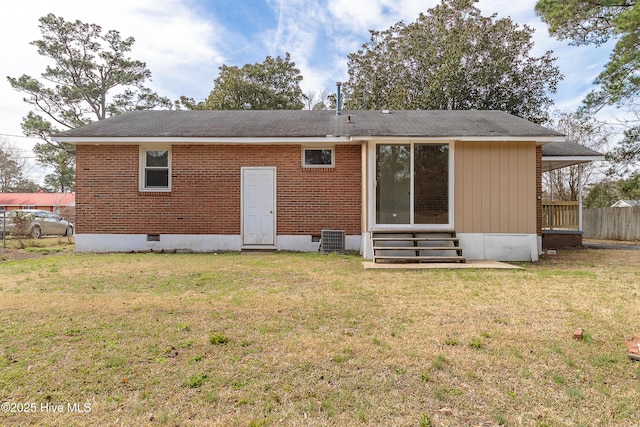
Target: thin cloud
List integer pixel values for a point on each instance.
(279, 6)
(184, 42)
(360, 16)
(174, 40)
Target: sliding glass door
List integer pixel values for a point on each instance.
(412, 184)
(393, 190)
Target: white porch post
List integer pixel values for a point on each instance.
(551, 222)
(580, 196)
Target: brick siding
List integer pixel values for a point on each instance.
(561, 240)
(205, 194)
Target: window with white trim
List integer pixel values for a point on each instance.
(155, 168)
(318, 157)
(413, 183)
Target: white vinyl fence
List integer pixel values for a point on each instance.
(611, 223)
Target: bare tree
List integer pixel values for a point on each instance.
(584, 130)
(310, 99)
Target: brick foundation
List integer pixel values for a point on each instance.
(559, 239)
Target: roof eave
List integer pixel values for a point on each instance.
(577, 159)
(329, 139)
(550, 163)
(537, 139)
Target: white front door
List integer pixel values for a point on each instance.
(258, 206)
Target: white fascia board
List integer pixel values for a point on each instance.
(177, 140)
(572, 158)
(543, 140)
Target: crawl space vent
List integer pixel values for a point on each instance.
(332, 241)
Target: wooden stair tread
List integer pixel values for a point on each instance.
(417, 248)
(414, 231)
(421, 258)
(415, 239)
(397, 237)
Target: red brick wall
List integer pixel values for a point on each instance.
(205, 196)
(560, 240)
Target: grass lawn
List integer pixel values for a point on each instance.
(304, 339)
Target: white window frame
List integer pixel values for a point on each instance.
(143, 167)
(373, 183)
(319, 147)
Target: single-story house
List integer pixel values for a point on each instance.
(235, 180)
(61, 203)
(625, 203)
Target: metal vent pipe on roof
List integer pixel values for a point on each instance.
(338, 84)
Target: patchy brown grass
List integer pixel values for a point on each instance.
(305, 339)
(13, 248)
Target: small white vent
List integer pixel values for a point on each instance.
(332, 241)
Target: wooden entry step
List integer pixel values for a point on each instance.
(403, 245)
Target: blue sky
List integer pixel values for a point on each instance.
(184, 42)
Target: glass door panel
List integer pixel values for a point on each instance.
(393, 184)
(431, 184)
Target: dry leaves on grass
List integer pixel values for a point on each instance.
(304, 339)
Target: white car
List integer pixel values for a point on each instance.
(38, 223)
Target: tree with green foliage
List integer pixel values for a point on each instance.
(625, 157)
(595, 22)
(273, 84)
(453, 58)
(630, 187)
(92, 78)
(62, 162)
(606, 193)
(12, 173)
(602, 195)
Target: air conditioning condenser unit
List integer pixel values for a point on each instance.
(332, 241)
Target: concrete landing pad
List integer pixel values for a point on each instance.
(369, 265)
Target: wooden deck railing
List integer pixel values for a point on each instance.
(560, 215)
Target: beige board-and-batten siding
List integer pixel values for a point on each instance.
(495, 187)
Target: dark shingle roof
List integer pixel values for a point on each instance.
(295, 123)
(567, 149)
(558, 155)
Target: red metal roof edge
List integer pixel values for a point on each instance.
(37, 199)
